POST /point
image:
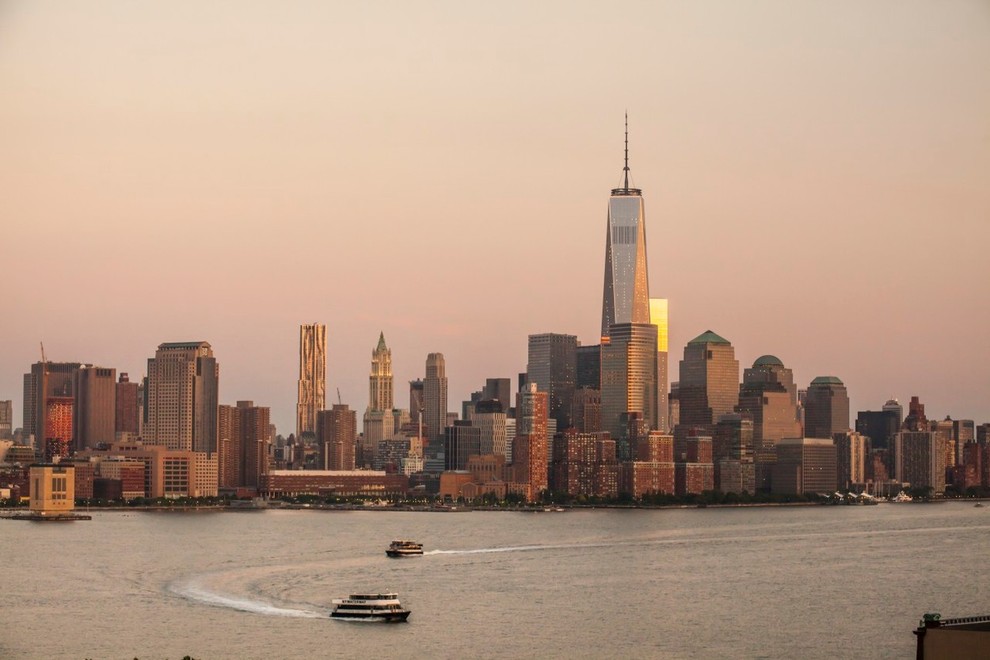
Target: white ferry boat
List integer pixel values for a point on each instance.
(370, 607)
(400, 548)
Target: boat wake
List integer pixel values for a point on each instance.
(517, 548)
(196, 591)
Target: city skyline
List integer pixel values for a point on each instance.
(804, 225)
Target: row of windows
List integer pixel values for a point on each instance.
(623, 235)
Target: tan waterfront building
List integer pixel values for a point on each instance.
(53, 489)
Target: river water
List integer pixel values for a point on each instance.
(774, 582)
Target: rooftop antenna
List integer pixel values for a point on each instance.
(626, 168)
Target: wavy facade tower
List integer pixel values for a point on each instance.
(312, 376)
(626, 297)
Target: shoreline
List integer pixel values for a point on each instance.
(19, 513)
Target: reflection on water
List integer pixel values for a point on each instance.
(768, 582)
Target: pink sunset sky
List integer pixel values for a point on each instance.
(816, 177)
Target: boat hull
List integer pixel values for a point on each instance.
(379, 617)
(404, 553)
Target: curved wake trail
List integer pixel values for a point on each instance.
(192, 590)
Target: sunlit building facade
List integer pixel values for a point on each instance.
(709, 381)
(659, 311)
(312, 385)
(182, 405)
(629, 376)
(626, 293)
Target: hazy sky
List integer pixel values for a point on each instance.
(816, 176)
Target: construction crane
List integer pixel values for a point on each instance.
(338, 397)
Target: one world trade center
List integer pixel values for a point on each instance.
(626, 296)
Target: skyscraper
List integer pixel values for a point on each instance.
(659, 318)
(629, 377)
(181, 408)
(589, 366)
(709, 381)
(626, 295)
(378, 419)
(244, 440)
(415, 399)
(95, 407)
(46, 379)
(337, 432)
(499, 389)
(879, 426)
(435, 398)
(552, 366)
(312, 376)
(127, 406)
(768, 397)
(380, 381)
(826, 408)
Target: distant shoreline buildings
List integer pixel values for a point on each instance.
(596, 422)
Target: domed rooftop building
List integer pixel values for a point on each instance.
(826, 408)
(709, 381)
(768, 396)
(768, 361)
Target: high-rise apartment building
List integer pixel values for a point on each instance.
(435, 398)
(585, 464)
(629, 377)
(851, 453)
(337, 433)
(659, 314)
(312, 386)
(552, 366)
(461, 441)
(768, 397)
(95, 406)
(626, 293)
(127, 406)
(920, 459)
(708, 386)
(244, 432)
(826, 408)
(182, 397)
